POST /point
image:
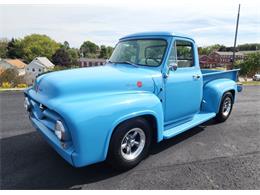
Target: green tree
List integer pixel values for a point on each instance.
(3, 48)
(38, 45)
(222, 48)
(66, 57)
(89, 49)
(249, 46)
(66, 45)
(61, 57)
(74, 56)
(103, 52)
(109, 51)
(14, 49)
(211, 48)
(250, 65)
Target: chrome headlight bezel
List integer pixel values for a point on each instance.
(59, 130)
(27, 104)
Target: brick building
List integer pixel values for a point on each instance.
(89, 62)
(221, 58)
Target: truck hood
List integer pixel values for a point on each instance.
(94, 80)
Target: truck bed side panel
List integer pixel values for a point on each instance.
(210, 75)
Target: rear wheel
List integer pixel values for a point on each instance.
(129, 144)
(225, 107)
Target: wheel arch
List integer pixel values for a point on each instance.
(213, 93)
(233, 92)
(150, 117)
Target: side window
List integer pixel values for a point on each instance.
(182, 54)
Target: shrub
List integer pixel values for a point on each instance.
(18, 80)
(9, 76)
(22, 85)
(6, 85)
(12, 77)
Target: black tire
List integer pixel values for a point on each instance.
(221, 115)
(115, 156)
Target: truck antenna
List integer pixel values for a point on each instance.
(235, 41)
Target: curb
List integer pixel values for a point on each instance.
(11, 89)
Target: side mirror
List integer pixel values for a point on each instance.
(171, 67)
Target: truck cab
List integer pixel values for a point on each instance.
(151, 89)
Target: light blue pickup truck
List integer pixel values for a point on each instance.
(151, 89)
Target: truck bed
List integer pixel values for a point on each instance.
(209, 75)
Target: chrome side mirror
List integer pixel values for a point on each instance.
(173, 67)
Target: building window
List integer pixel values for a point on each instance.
(33, 69)
(40, 70)
(90, 63)
(96, 64)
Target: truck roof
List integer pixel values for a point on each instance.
(156, 33)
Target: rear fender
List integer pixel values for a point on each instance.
(213, 92)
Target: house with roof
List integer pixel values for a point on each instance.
(13, 63)
(38, 66)
(222, 58)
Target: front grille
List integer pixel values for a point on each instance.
(46, 116)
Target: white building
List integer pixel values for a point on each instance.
(36, 67)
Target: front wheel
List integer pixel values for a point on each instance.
(225, 107)
(129, 144)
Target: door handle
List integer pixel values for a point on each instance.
(196, 76)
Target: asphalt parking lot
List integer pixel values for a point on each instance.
(210, 156)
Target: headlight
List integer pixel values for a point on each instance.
(27, 105)
(60, 130)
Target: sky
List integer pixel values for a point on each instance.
(104, 22)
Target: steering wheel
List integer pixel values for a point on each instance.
(154, 59)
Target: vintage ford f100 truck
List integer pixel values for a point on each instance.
(151, 89)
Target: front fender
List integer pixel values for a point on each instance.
(92, 121)
(213, 92)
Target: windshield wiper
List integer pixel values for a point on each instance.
(125, 62)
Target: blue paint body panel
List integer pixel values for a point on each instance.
(92, 102)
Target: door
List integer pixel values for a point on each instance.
(183, 86)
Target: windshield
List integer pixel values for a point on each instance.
(145, 52)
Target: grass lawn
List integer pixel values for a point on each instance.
(250, 82)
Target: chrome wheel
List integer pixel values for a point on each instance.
(133, 144)
(227, 104)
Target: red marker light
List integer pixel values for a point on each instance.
(139, 84)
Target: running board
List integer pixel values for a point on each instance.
(197, 119)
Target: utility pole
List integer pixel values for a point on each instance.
(235, 41)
